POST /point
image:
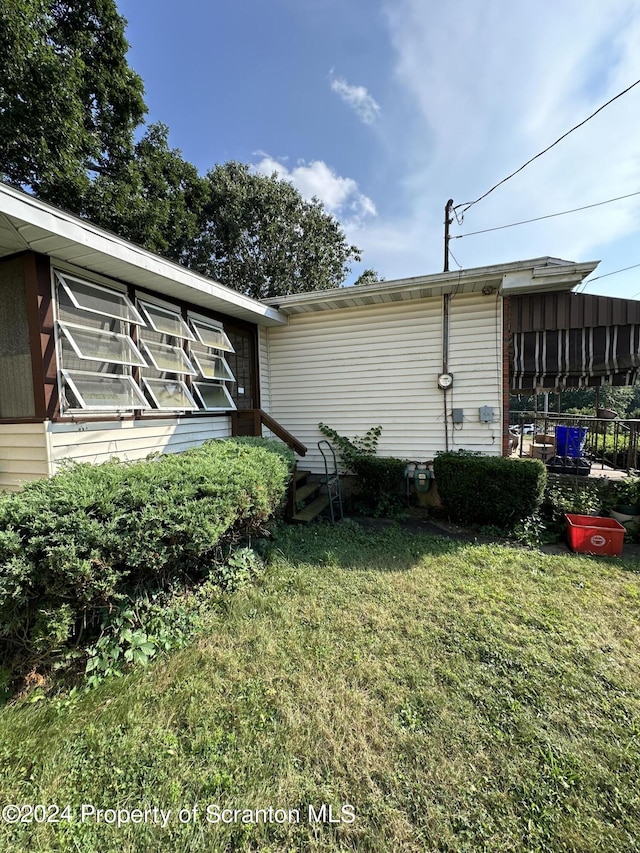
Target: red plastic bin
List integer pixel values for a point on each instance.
(592, 534)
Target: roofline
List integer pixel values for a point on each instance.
(537, 274)
(59, 223)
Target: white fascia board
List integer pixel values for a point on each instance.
(32, 212)
(544, 279)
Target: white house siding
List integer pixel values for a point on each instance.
(358, 367)
(23, 454)
(131, 440)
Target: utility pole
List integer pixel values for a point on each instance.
(448, 219)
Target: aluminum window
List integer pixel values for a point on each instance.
(104, 391)
(170, 394)
(168, 359)
(102, 345)
(212, 366)
(166, 322)
(212, 336)
(86, 296)
(213, 396)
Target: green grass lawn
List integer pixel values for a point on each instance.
(458, 697)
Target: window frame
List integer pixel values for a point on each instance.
(226, 345)
(64, 326)
(146, 382)
(187, 334)
(197, 359)
(68, 376)
(134, 317)
(187, 367)
(230, 408)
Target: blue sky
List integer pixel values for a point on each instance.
(384, 109)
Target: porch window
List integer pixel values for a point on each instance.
(102, 345)
(169, 394)
(166, 321)
(104, 392)
(168, 358)
(96, 351)
(86, 296)
(208, 357)
(213, 396)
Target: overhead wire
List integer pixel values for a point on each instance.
(538, 218)
(466, 205)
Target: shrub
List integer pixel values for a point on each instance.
(489, 489)
(85, 540)
(379, 479)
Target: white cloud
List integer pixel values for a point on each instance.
(481, 88)
(358, 98)
(316, 179)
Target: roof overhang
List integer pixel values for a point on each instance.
(531, 276)
(27, 224)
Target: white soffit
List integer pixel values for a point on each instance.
(538, 274)
(29, 224)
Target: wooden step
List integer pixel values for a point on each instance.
(305, 492)
(301, 475)
(312, 510)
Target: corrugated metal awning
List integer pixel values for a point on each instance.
(574, 340)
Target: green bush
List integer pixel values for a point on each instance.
(379, 479)
(78, 544)
(489, 489)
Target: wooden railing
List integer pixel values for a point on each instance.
(251, 421)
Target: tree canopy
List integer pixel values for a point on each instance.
(69, 102)
(70, 107)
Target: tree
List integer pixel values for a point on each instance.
(69, 102)
(156, 200)
(259, 236)
(369, 276)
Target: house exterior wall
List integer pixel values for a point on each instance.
(357, 367)
(130, 440)
(23, 454)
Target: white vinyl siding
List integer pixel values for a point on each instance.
(131, 440)
(23, 455)
(358, 367)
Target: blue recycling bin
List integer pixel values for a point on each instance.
(570, 441)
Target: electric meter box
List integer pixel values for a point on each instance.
(487, 414)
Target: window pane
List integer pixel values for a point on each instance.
(102, 345)
(212, 366)
(100, 300)
(168, 359)
(166, 321)
(212, 336)
(104, 391)
(213, 396)
(169, 394)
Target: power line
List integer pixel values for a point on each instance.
(560, 138)
(605, 275)
(548, 216)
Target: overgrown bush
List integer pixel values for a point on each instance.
(77, 545)
(379, 479)
(489, 489)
